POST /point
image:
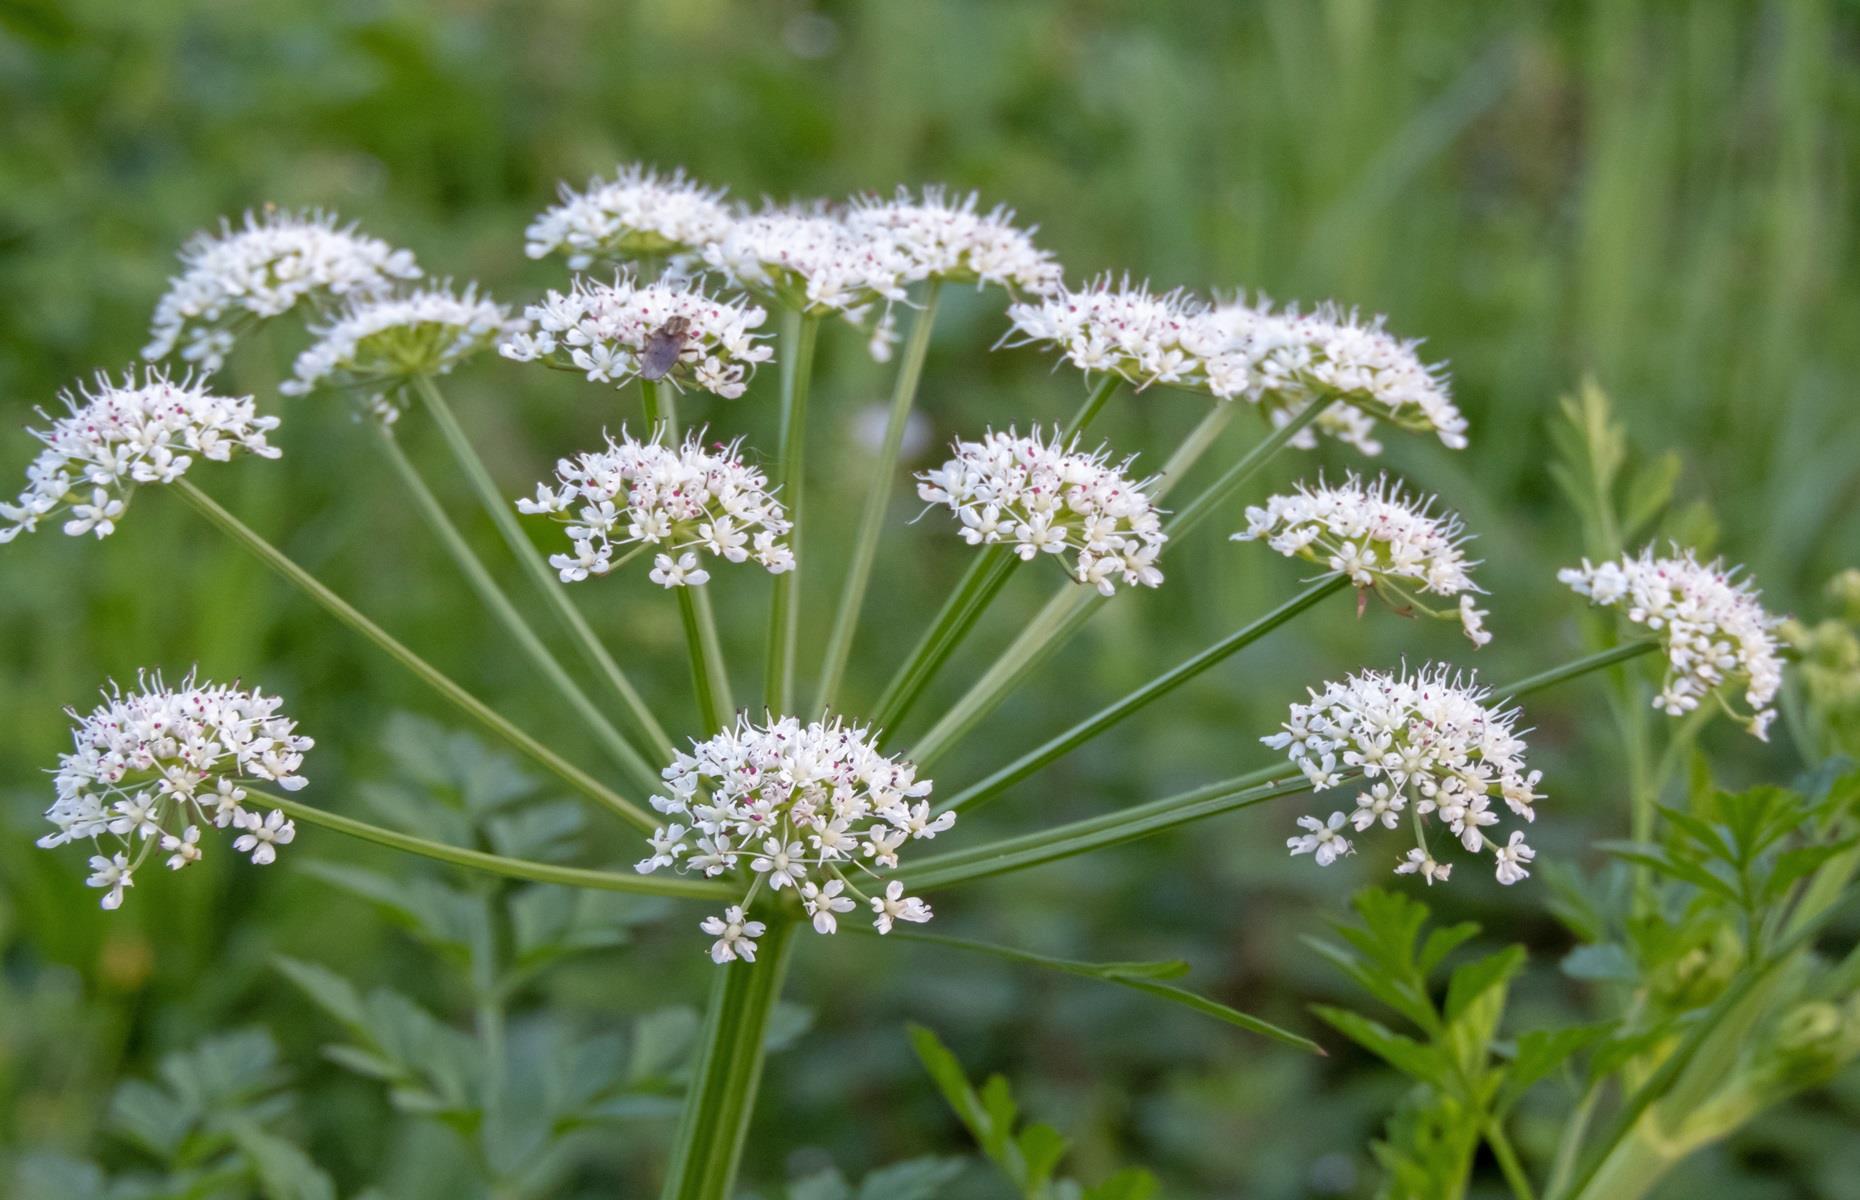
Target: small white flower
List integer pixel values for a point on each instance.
(1429, 742)
(120, 436)
(638, 212)
(824, 904)
(263, 835)
(1378, 537)
(263, 269)
(154, 766)
(735, 936)
(895, 906)
(811, 261)
(1042, 497)
(112, 874)
(604, 330)
(684, 500)
(1323, 840)
(1717, 636)
(1512, 857)
(813, 807)
(1418, 862)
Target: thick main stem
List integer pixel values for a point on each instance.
(347, 613)
(712, 688)
(872, 518)
(797, 367)
(497, 864)
(728, 1071)
(503, 514)
(1149, 693)
(499, 605)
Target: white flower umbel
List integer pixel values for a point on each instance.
(946, 238)
(677, 501)
(239, 276)
(1125, 329)
(1042, 497)
(1430, 749)
(809, 260)
(638, 212)
(150, 767)
(378, 345)
(814, 808)
(1716, 634)
(116, 436)
(604, 329)
(1380, 538)
(1285, 359)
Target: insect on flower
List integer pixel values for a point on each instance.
(663, 346)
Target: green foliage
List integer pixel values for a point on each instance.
(1028, 1155)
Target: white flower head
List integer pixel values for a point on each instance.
(378, 344)
(1712, 624)
(1431, 746)
(1122, 328)
(1381, 539)
(679, 501)
(1047, 497)
(638, 212)
(150, 768)
(1284, 360)
(116, 436)
(815, 809)
(809, 260)
(604, 330)
(242, 275)
(948, 239)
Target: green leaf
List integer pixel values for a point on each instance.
(1041, 1148)
(447, 918)
(1416, 1060)
(1657, 859)
(1132, 1183)
(1608, 962)
(662, 1041)
(1541, 1052)
(285, 1172)
(326, 989)
(824, 1185)
(1650, 491)
(914, 1179)
(1471, 982)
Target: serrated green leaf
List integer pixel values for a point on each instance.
(1041, 1148)
(1541, 1052)
(1472, 981)
(1416, 1060)
(1442, 942)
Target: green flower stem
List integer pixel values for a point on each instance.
(497, 864)
(878, 494)
(1071, 606)
(660, 404)
(1095, 401)
(1508, 1163)
(979, 585)
(1249, 464)
(1150, 692)
(707, 678)
(1576, 667)
(728, 1071)
(944, 871)
(506, 613)
(1157, 816)
(504, 515)
(797, 368)
(477, 709)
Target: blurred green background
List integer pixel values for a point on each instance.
(1660, 195)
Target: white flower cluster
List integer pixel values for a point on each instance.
(1279, 360)
(801, 806)
(949, 240)
(638, 212)
(1142, 337)
(150, 767)
(677, 501)
(1378, 537)
(605, 330)
(1715, 631)
(1044, 497)
(811, 261)
(121, 435)
(1292, 358)
(382, 343)
(1431, 746)
(263, 269)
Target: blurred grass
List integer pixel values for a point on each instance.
(1658, 194)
